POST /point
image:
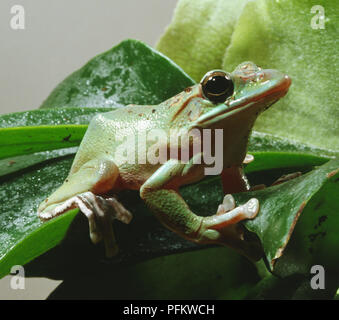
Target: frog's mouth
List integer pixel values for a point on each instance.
(274, 85)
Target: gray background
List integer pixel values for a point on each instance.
(60, 36)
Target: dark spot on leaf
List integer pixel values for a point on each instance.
(189, 89)
(104, 89)
(319, 204)
(314, 236)
(320, 221)
(10, 163)
(67, 138)
(140, 114)
(153, 110)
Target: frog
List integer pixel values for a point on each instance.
(227, 102)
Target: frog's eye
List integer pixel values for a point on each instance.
(217, 86)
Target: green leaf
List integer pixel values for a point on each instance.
(278, 35)
(315, 239)
(130, 72)
(272, 152)
(48, 117)
(281, 206)
(42, 117)
(25, 140)
(179, 276)
(15, 164)
(274, 34)
(199, 33)
(23, 237)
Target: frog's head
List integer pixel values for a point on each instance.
(247, 91)
(232, 102)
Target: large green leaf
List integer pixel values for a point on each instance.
(189, 275)
(282, 205)
(25, 140)
(278, 34)
(199, 33)
(315, 240)
(42, 117)
(130, 72)
(48, 117)
(273, 34)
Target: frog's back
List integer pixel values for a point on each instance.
(107, 131)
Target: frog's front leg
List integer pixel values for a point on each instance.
(160, 192)
(80, 190)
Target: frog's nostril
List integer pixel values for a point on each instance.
(259, 76)
(248, 67)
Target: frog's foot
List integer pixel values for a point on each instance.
(214, 228)
(227, 205)
(99, 211)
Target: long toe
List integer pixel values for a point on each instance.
(251, 208)
(227, 205)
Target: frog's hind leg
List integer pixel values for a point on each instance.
(80, 190)
(234, 180)
(161, 194)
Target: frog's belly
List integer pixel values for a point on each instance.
(132, 177)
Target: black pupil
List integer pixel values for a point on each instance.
(218, 88)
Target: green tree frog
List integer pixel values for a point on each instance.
(222, 102)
